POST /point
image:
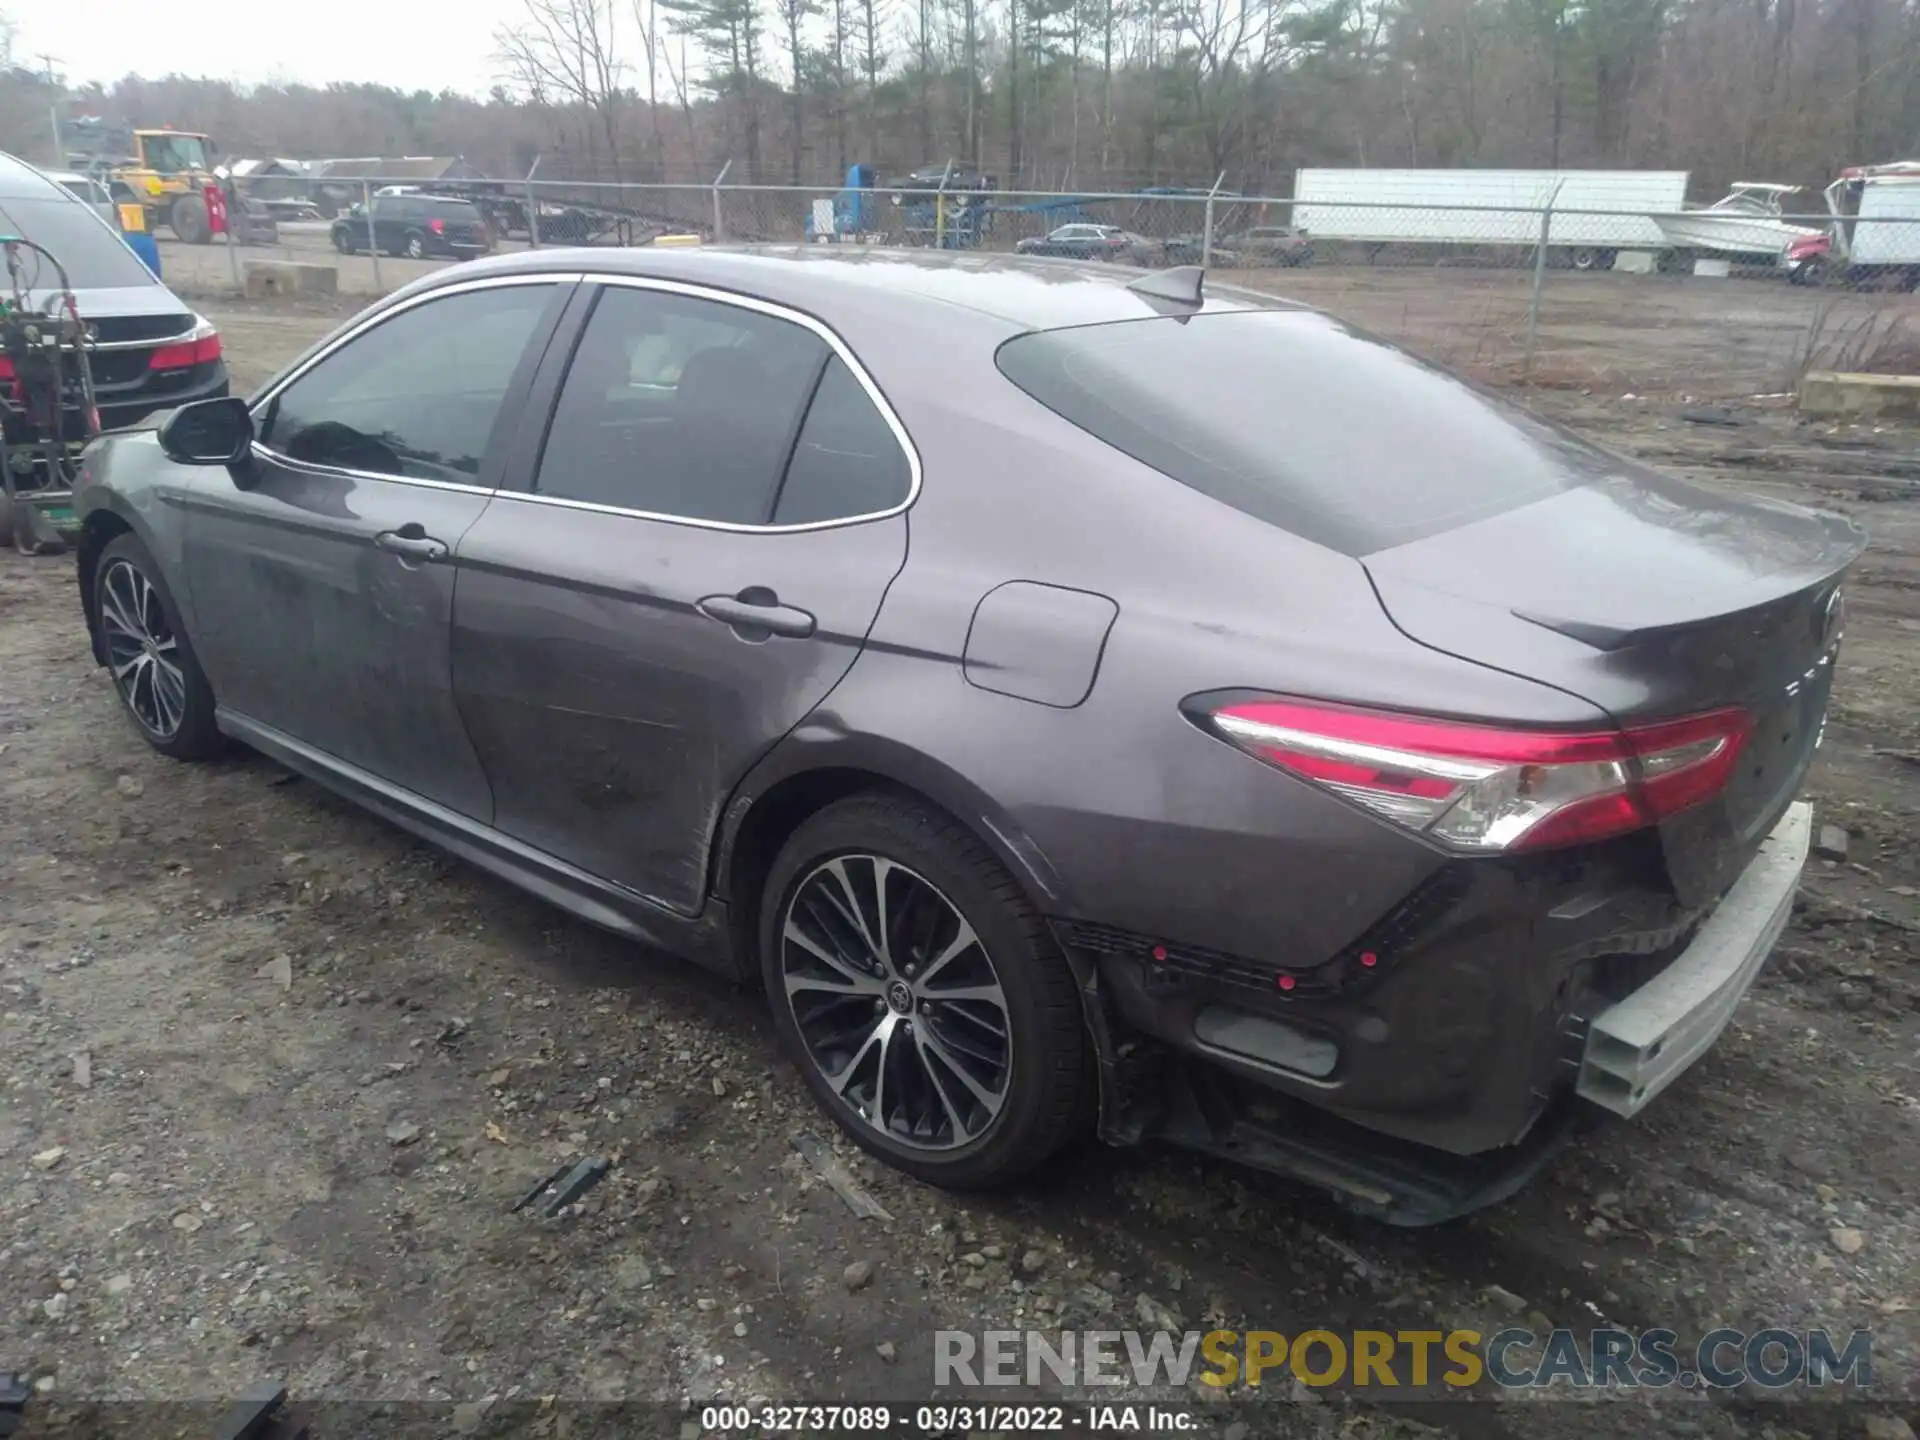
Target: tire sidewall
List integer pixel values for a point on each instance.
(897, 833)
(415, 247)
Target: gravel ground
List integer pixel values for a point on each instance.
(274, 1072)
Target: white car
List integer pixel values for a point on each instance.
(88, 189)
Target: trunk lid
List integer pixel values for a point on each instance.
(1651, 599)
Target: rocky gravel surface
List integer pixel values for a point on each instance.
(273, 1076)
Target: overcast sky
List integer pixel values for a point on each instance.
(390, 42)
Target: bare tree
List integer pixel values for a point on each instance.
(872, 15)
(729, 32)
(646, 19)
(1726, 89)
(562, 52)
(837, 71)
(794, 15)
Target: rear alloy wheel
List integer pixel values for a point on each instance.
(922, 998)
(343, 241)
(416, 245)
(148, 655)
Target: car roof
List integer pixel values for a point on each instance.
(21, 181)
(1026, 292)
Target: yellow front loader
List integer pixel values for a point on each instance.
(165, 172)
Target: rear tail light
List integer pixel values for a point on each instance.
(200, 348)
(1482, 789)
(438, 227)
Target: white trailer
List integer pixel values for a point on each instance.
(1492, 207)
(1876, 229)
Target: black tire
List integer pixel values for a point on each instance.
(415, 245)
(189, 220)
(343, 241)
(1047, 1087)
(195, 736)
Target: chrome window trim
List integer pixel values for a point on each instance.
(332, 471)
(158, 340)
(354, 332)
(779, 312)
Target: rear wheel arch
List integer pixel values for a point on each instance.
(769, 808)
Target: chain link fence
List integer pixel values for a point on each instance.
(1709, 303)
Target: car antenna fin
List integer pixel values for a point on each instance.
(1184, 283)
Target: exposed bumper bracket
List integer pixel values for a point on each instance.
(1390, 1180)
(1636, 1047)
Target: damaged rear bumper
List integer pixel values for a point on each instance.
(1640, 1045)
(1525, 1006)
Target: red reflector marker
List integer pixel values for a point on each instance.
(1159, 952)
(1287, 982)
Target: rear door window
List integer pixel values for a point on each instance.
(680, 407)
(1301, 421)
(94, 257)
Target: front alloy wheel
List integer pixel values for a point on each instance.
(897, 1002)
(149, 655)
(142, 654)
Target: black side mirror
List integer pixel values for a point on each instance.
(208, 432)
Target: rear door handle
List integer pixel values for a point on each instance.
(410, 542)
(756, 613)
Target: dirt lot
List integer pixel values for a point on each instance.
(296, 1066)
(1616, 333)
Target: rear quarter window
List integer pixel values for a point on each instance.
(1300, 421)
(94, 256)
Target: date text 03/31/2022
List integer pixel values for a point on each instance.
(943, 1419)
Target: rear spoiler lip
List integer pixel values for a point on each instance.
(1610, 638)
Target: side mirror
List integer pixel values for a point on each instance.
(208, 432)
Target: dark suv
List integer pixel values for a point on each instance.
(417, 226)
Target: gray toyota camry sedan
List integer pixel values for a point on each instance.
(1085, 702)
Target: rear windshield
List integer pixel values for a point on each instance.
(1298, 420)
(461, 212)
(94, 257)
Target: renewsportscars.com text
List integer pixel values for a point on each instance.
(1605, 1358)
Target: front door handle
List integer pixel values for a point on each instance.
(756, 613)
(410, 542)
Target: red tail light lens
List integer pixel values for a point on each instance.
(1483, 789)
(201, 348)
(438, 227)
(6, 367)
